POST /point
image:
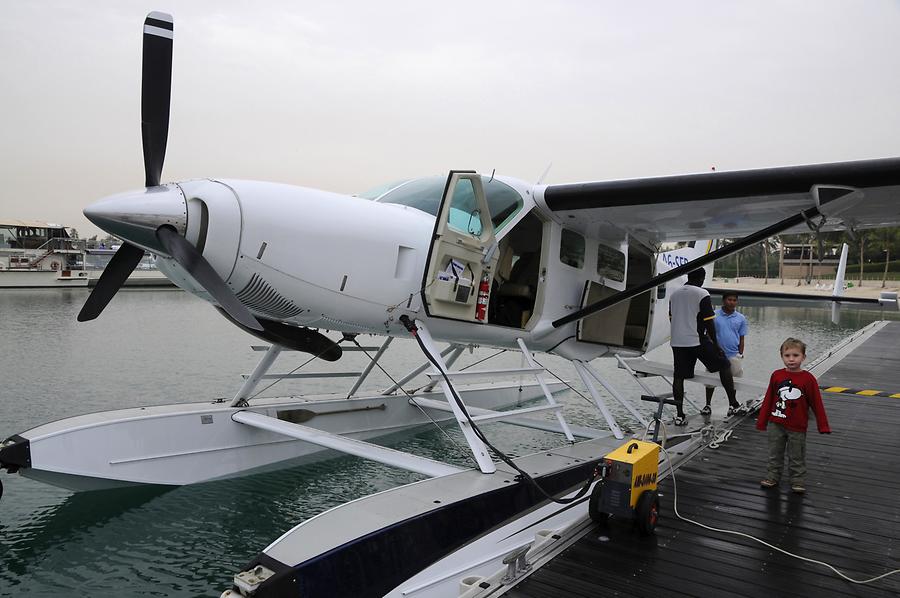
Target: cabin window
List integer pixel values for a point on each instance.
(610, 263)
(571, 249)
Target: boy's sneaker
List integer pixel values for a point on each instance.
(767, 483)
(732, 410)
(797, 489)
(680, 420)
(706, 410)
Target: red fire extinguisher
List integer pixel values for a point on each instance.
(484, 289)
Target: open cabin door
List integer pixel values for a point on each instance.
(463, 252)
(626, 324)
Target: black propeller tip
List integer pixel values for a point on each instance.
(156, 92)
(114, 276)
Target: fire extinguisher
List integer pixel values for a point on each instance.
(484, 289)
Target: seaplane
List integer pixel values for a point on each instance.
(580, 271)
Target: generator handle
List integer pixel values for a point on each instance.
(632, 446)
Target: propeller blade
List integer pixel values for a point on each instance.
(304, 340)
(156, 91)
(114, 275)
(196, 265)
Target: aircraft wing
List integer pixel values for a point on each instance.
(729, 204)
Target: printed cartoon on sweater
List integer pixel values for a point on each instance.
(786, 392)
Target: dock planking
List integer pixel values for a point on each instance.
(873, 365)
(849, 516)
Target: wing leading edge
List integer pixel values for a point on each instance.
(729, 204)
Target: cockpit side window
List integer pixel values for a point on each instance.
(425, 194)
(503, 201)
(464, 215)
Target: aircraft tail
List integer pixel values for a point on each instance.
(704, 246)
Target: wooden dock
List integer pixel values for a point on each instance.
(849, 516)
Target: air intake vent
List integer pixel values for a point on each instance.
(261, 297)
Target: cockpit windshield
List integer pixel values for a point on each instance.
(425, 194)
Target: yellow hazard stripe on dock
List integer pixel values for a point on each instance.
(862, 392)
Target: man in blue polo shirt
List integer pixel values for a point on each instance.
(731, 328)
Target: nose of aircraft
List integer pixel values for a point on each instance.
(135, 216)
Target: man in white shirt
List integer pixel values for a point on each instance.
(693, 338)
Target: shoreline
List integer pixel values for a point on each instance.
(871, 289)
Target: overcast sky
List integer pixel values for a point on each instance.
(344, 96)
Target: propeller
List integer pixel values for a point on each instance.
(196, 265)
(156, 91)
(114, 276)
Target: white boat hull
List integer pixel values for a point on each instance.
(29, 279)
(198, 442)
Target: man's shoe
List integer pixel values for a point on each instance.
(680, 420)
(706, 410)
(736, 409)
(767, 483)
(797, 489)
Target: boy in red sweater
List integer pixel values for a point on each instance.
(791, 394)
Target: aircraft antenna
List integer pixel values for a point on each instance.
(492, 175)
(543, 176)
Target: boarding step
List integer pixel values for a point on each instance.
(656, 368)
(359, 448)
(475, 374)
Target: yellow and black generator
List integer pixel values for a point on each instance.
(627, 486)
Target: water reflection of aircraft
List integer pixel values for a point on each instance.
(578, 270)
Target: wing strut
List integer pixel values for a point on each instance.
(751, 239)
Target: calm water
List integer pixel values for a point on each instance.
(155, 347)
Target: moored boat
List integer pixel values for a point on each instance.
(36, 254)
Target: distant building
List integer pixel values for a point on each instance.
(801, 261)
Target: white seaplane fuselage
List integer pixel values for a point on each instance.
(354, 265)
